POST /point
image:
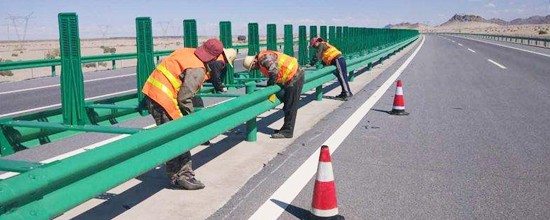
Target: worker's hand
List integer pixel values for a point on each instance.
(308, 65)
(224, 90)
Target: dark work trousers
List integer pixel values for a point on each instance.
(341, 74)
(291, 100)
(180, 166)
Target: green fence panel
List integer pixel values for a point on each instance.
(312, 34)
(226, 37)
(331, 35)
(72, 80)
(323, 32)
(338, 42)
(145, 54)
(289, 40)
(190, 38)
(302, 45)
(272, 37)
(253, 45)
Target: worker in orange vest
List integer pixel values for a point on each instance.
(330, 55)
(285, 71)
(170, 89)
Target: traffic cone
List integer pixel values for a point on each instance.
(324, 205)
(399, 101)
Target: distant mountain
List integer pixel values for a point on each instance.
(407, 25)
(457, 18)
(532, 20)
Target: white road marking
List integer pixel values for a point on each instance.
(89, 147)
(460, 44)
(473, 51)
(497, 64)
(57, 85)
(297, 181)
(59, 104)
(515, 48)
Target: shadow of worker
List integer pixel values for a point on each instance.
(293, 210)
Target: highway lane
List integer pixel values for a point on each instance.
(474, 147)
(44, 93)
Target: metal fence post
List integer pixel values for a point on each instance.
(289, 40)
(72, 80)
(332, 35)
(53, 71)
(302, 45)
(271, 37)
(253, 45)
(113, 64)
(227, 39)
(312, 34)
(190, 38)
(323, 32)
(145, 55)
(338, 42)
(251, 125)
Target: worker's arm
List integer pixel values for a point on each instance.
(270, 64)
(318, 53)
(216, 69)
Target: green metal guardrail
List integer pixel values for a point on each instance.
(43, 191)
(533, 41)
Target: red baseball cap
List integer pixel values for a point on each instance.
(314, 40)
(210, 50)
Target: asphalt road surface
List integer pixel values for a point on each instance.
(32, 95)
(475, 145)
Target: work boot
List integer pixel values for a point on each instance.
(206, 143)
(188, 183)
(281, 134)
(342, 96)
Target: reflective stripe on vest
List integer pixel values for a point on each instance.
(287, 66)
(286, 69)
(164, 89)
(330, 53)
(175, 83)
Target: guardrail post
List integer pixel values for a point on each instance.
(253, 45)
(190, 38)
(271, 37)
(251, 125)
(302, 45)
(289, 40)
(332, 35)
(312, 34)
(53, 71)
(113, 64)
(339, 35)
(145, 56)
(227, 39)
(323, 32)
(72, 79)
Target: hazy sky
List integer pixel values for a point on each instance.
(167, 16)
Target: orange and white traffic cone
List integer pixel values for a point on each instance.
(399, 101)
(324, 205)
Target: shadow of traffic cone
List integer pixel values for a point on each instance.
(399, 101)
(324, 205)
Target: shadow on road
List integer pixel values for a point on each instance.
(297, 212)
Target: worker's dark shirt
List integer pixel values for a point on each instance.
(269, 61)
(318, 54)
(217, 72)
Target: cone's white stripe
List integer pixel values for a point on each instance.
(399, 107)
(324, 172)
(399, 91)
(324, 213)
(270, 210)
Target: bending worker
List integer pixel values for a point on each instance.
(283, 70)
(170, 89)
(330, 55)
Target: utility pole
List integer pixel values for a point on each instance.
(16, 21)
(164, 25)
(104, 29)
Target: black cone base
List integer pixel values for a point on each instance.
(313, 217)
(399, 112)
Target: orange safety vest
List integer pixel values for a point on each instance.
(330, 53)
(287, 65)
(164, 83)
